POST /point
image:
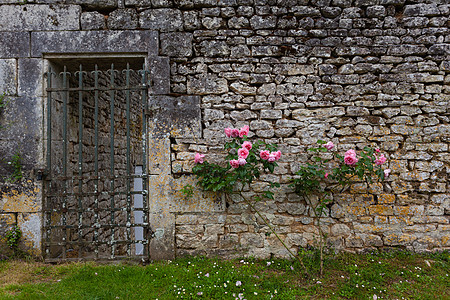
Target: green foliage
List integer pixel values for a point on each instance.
(217, 178)
(188, 191)
(16, 164)
(390, 275)
(3, 101)
(13, 237)
(312, 178)
(315, 185)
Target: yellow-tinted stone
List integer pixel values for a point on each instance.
(382, 210)
(386, 198)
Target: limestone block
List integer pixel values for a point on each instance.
(340, 229)
(30, 77)
(162, 19)
(442, 199)
(7, 221)
(295, 239)
(250, 240)
(201, 201)
(30, 225)
(243, 88)
(214, 48)
(14, 44)
(159, 156)
(228, 241)
(94, 4)
(206, 84)
(176, 44)
(8, 76)
(190, 229)
(175, 116)
(39, 17)
(354, 242)
(162, 244)
(191, 20)
(93, 41)
(123, 18)
(92, 20)
(421, 10)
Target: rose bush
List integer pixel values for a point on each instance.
(316, 182)
(244, 163)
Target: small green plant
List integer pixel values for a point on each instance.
(3, 102)
(188, 191)
(16, 164)
(13, 237)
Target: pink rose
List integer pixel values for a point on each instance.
(244, 131)
(350, 160)
(243, 153)
(277, 155)
(199, 158)
(241, 161)
(377, 150)
(234, 132)
(380, 160)
(272, 157)
(228, 131)
(387, 172)
(234, 163)
(264, 154)
(247, 145)
(350, 152)
(329, 145)
(326, 175)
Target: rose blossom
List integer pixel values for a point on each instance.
(198, 158)
(277, 155)
(264, 154)
(329, 145)
(350, 160)
(272, 157)
(241, 161)
(377, 150)
(234, 132)
(243, 153)
(350, 152)
(380, 160)
(387, 172)
(326, 175)
(247, 145)
(244, 131)
(234, 163)
(228, 131)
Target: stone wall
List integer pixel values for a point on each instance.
(356, 72)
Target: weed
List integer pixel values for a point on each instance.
(12, 237)
(16, 164)
(188, 191)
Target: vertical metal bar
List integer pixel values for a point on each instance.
(128, 178)
(96, 162)
(49, 161)
(144, 160)
(112, 160)
(80, 159)
(64, 204)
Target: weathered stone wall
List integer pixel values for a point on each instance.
(355, 72)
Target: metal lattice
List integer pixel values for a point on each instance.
(95, 184)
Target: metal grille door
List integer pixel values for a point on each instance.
(95, 185)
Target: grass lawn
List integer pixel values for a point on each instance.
(390, 275)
